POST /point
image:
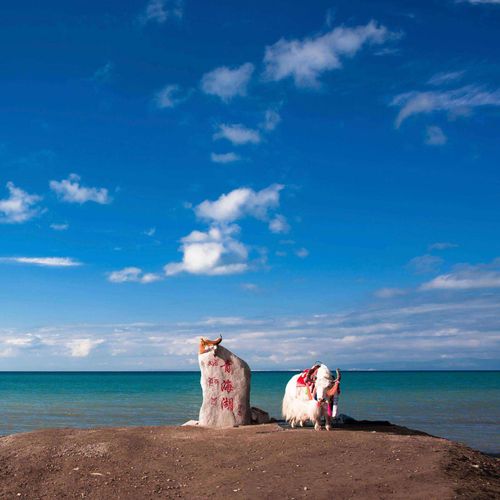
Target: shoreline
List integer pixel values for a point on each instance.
(354, 424)
(77, 399)
(297, 370)
(365, 460)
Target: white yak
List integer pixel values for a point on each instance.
(310, 395)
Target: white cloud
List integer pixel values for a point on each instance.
(71, 191)
(425, 264)
(59, 227)
(168, 97)
(279, 224)
(458, 101)
(237, 134)
(271, 120)
(445, 77)
(467, 277)
(479, 2)
(224, 157)
(435, 136)
(389, 293)
(7, 353)
(454, 282)
(150, 232)
(387, 51)
(43, 261)
(451, 331)
(81, 348)
(218, 250)
(104, 74)
(156, 11)
(239, 203)
(19, 207)
(215, 252)
(219, 321)
(159, 11)
(19, 341)
(305, 60)
(442, 245)
(302, 253)
(133, 275)
(227, 83)
(250, 287)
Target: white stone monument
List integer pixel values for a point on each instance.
(225, 381)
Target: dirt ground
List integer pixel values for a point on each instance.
(267, 461)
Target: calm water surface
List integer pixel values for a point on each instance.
(463, 406)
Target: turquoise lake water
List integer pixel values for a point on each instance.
(463, 406)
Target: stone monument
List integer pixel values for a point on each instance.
(225, 381)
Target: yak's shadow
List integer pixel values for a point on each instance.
(350, 424)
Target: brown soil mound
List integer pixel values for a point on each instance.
(250, 462)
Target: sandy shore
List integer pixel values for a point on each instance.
(370, 461)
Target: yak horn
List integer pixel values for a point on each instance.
(339, 376)
(212, 342)
(204, 342)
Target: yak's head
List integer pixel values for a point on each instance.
(209, 345)
(325, 382)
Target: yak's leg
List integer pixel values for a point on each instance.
(317, 421)
(328, 423)
(335, 408)
(292, 423)
(315, 415)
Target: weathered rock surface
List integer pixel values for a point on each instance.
(225, 381)
(260, 416)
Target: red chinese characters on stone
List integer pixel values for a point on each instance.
(213, 382)
(213, 401)
(227, 404)
(226, 386)
(227, 366)
(213, 362)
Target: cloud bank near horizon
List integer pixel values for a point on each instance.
(423, 332)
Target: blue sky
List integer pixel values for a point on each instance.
(313, 181)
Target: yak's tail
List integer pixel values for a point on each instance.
(287, 409)
(285, 406)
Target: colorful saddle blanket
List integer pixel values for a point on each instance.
(301, 381)
(306, 380)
